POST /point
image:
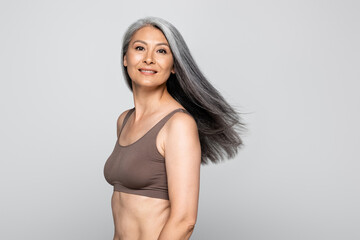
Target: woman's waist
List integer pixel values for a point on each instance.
(138, 207)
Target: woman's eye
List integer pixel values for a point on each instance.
(139, 48)
(162, 51)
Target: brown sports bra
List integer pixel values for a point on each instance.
(139, 168)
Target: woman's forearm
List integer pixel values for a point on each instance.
(177, 230)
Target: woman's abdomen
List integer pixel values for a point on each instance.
(138, 217)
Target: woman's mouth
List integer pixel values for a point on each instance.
(147, 71)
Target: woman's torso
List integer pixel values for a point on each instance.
(137, 216)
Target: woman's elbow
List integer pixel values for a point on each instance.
(190, 227)
(189, 223)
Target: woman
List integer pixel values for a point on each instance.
(179, 121)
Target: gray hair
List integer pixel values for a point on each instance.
(218, 123)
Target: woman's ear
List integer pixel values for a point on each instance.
(173, 71)
(125, 61)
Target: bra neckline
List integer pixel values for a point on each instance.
(118, 139)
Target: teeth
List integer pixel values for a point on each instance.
(148, 71)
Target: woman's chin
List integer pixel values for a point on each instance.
(147, 84)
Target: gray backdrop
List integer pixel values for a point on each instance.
(291, 66)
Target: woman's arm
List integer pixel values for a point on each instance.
(183, 159)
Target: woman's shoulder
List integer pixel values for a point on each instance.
(182, 118)
(181, 121)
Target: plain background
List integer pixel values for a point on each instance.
(292, 68)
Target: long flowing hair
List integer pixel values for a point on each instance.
(219, 124)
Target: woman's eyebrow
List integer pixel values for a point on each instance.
(141, 41)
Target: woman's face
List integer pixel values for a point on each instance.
(148, 59)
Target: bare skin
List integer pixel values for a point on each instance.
(139, 217)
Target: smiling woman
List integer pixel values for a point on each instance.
(179, 121)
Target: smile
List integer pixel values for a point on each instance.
(147, 71)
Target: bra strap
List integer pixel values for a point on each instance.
(125, 120)
(162, 122)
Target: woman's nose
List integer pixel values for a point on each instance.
(149, 59)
